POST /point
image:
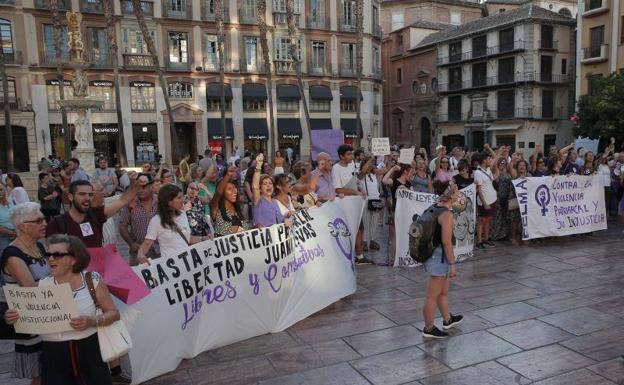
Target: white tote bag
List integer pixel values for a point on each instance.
(114, 339)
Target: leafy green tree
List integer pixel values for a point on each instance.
(601, 113)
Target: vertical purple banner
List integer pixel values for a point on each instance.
(326, 141)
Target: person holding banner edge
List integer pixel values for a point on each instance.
(441, 265)
(22, 263)
(74, 357)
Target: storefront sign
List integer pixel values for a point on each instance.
(141, 84)
(105, 130)
(55, 82)
(257, 137)
(101, 83)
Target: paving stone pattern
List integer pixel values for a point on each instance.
(550, 314)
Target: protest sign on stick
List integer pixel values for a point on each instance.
(42, 310)
(380, 146)
(407, 155)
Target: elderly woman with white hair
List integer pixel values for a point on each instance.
(23, 263)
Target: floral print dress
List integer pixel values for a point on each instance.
(197, 218)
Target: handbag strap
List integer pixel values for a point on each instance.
(91, 287)
(180, 233)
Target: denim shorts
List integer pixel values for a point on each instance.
(436, 266)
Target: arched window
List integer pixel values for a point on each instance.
(565, 12)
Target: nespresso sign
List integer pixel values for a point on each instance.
(55, 82)
(141, 84)
(105, 130)
(100, 83)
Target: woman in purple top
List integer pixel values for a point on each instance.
(265, 210)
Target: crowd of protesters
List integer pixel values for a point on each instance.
(163, 209)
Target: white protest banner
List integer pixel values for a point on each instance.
(411, 204)
(380, 146)
(41, 310)
(561, 205)
(243, 285)
(406, 156)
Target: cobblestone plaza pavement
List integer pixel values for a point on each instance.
(549, 314)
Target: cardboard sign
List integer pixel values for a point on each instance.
(42, 310)
(380, 146)
(120, 279)
(407, 155)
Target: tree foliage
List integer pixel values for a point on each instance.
(601, 114)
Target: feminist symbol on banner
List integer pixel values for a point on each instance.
(340, 231)
(542, 197)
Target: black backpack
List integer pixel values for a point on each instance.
(422, 233)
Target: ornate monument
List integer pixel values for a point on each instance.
(81, 103)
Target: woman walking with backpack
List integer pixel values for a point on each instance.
(441, 265)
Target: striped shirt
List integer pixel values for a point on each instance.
(139, 218)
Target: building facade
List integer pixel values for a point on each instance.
(185, 36)
(507, 79)
(601, 41)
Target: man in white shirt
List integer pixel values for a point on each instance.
(456, 155)
(345, 183)
(432, 163)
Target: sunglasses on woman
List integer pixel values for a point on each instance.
(56, 255)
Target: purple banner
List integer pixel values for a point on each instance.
(326, 141)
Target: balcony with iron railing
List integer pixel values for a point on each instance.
(398, 49)
(63, 5)
(137, 61)
(504, 48)
(595, 54)
(377, 73)
(452, 117)
(252, 68)
(317, 23)
(49, 59)
(377, 31)
(503, 80)
(594, 7)
(287, 66)
(248, 15)
(99, 59)
(185, 11)
(211, 64)
(177, 65)
(348, 26)
(319, 70)
(347, 70)
(128, 9)
(548, 45)
(12, 58)
(91, 6)
(15, 104)
(7, 2)
(208, 13)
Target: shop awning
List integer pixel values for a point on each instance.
(350, 93)
(286, 92)
(320, 124)
(254, 91)
(503, 127)
(256, 129)
(289, 128)
(321, 93)
(349, 127)
(213, 91)
(214, 129)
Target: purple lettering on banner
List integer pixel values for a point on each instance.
(254, 282)
(270, 275)
(326, 141)
(340, 231)
(217, 293)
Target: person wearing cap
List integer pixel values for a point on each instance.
(135, 217)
